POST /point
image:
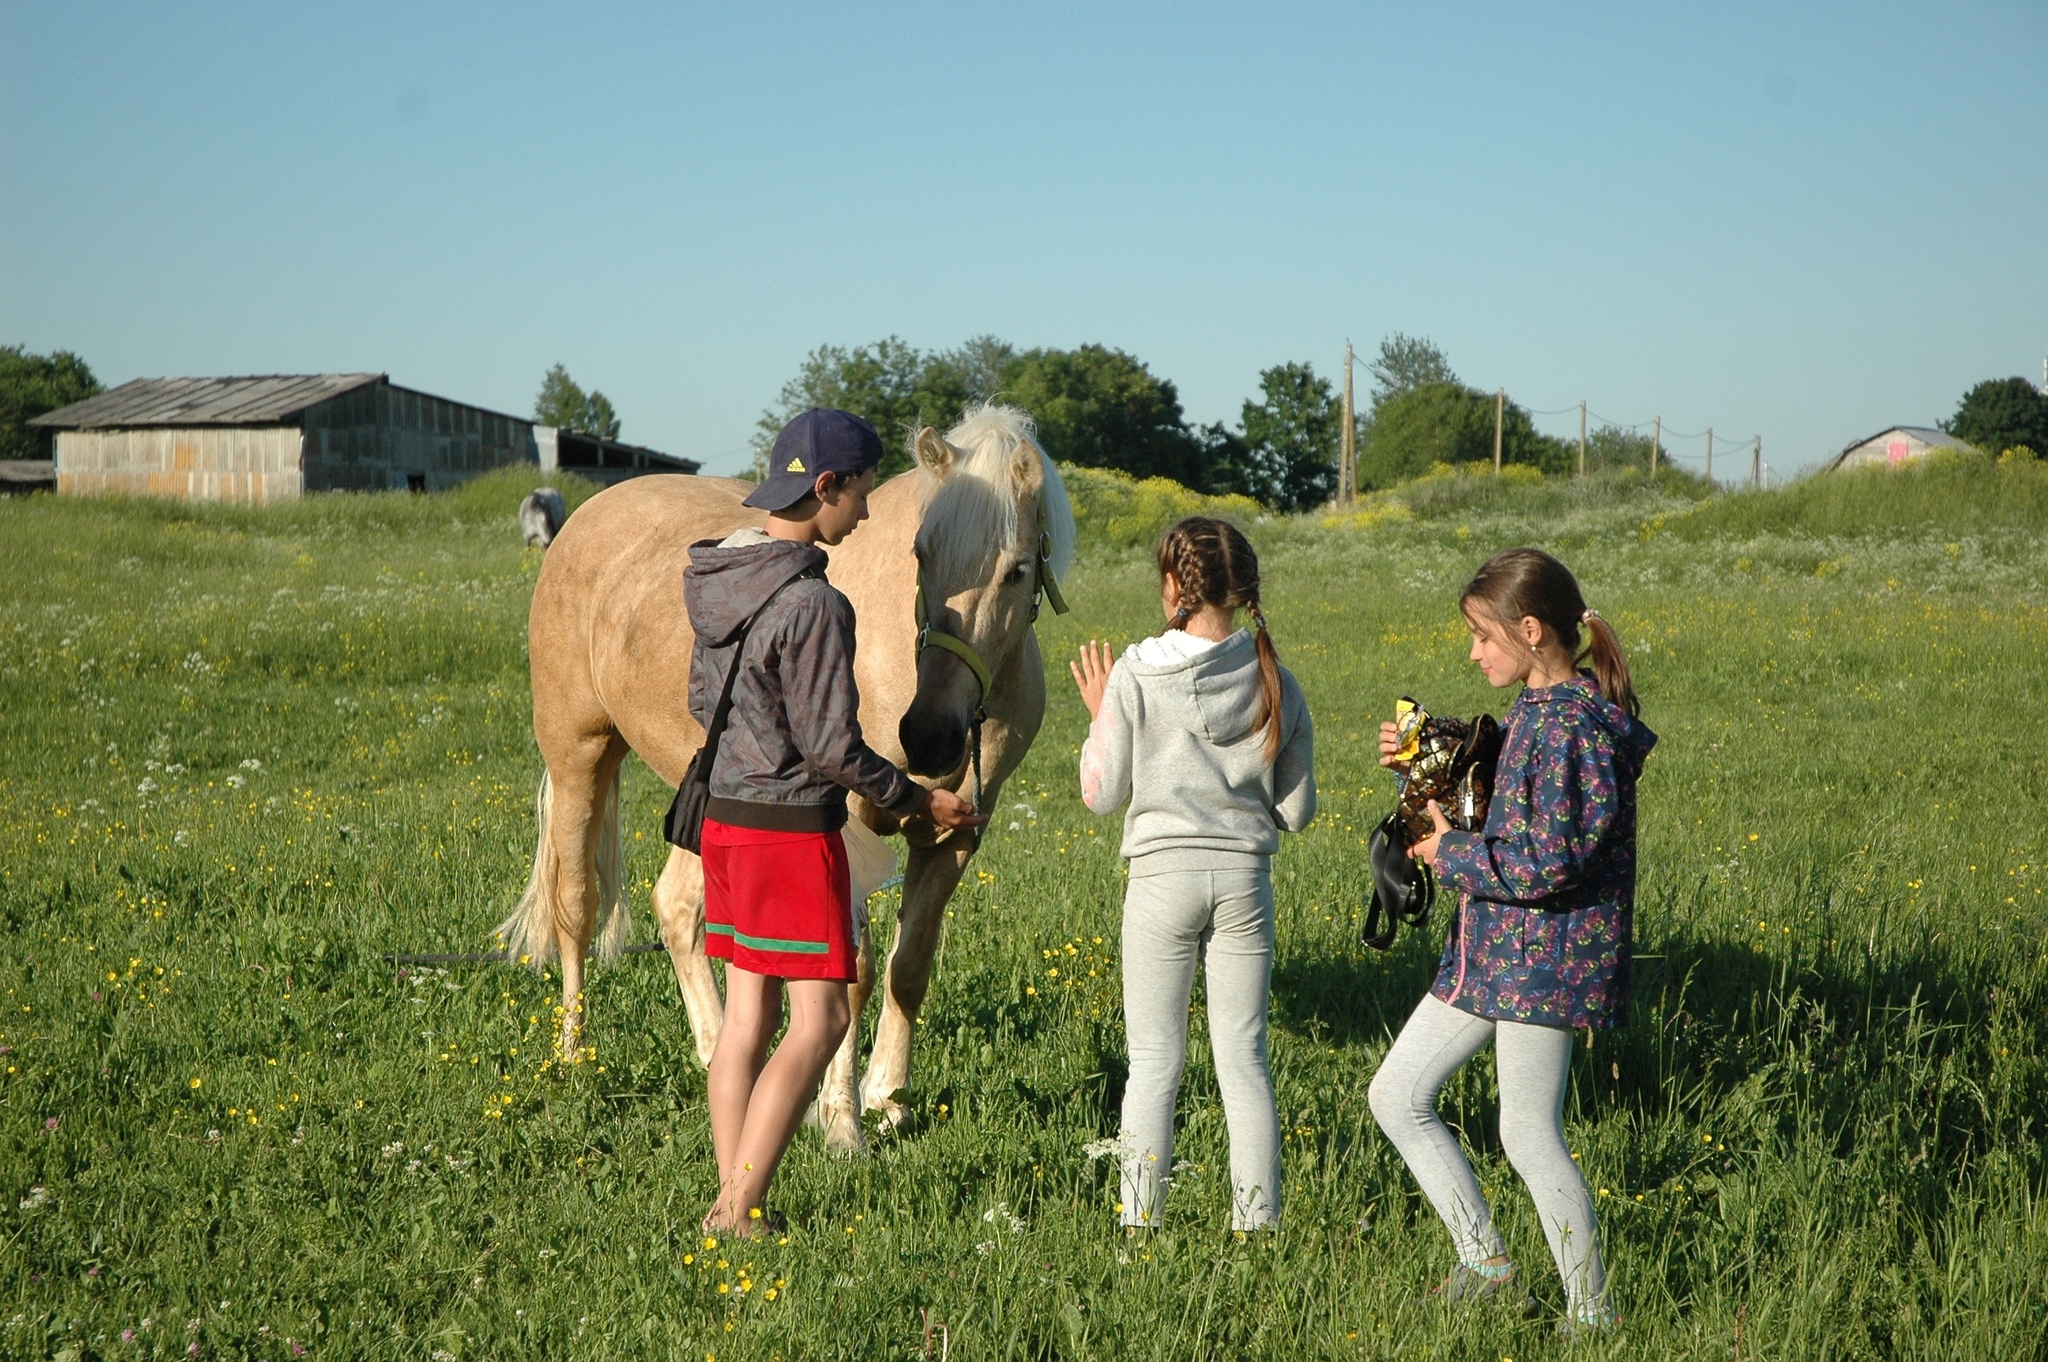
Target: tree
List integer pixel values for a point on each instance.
(2000, 413)
(1102, 408)
(564, 405)
(1451, 423)
(979, 362)
(1294, 434)
(31, 385)
(1405, 364)
(892, 385)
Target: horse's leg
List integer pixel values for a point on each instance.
(838, 1105)
(928, 880)
(585, 788)
(679, 904)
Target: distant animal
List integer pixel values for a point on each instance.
(982, 532)
(541, 516)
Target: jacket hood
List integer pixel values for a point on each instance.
(1215, 692)
(723, 587)
(1632, 737)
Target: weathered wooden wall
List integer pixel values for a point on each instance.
(384, 436)
(211, 463)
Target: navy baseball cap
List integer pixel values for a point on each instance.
(821, 440)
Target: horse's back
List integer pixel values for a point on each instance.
(608, 635)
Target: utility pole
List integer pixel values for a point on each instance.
(1710, 456)
(1347, 458)
(1756, 461)
(1656, 439)
(1500, 398)
(1582, 439)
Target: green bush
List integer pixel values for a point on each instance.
(1117, 510)
(1450, 423)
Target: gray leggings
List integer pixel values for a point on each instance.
(1226, 918)
(1534, 1064)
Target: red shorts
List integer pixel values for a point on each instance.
(778, 903)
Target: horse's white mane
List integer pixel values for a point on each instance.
(975, 507)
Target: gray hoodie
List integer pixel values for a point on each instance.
(1177, 736)
(792, 744)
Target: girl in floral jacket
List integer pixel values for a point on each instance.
(1541, 939)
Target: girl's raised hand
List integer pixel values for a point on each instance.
(1091, 674)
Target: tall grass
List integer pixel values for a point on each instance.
(245, 754)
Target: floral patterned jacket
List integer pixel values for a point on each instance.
(1546, 891)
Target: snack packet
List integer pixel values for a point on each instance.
(1409, 718)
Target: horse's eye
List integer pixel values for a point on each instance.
(1014, 575)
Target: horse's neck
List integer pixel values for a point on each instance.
(876, 566)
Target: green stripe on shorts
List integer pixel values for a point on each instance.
(769, 943)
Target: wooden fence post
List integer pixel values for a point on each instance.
(1347, 457)
(1500, 398)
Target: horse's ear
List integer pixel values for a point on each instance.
(933, 452)
(1027, 468)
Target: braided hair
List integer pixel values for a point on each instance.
(1216, 565)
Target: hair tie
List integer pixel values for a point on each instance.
(1588, 615)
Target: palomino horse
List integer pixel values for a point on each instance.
(983, 529)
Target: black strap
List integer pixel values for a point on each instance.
(716, 728)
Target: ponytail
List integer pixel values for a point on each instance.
(1610, 667)
(1216, 565)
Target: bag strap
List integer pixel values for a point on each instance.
(716, 728)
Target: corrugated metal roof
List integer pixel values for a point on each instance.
(1931, 436)
(204, 401)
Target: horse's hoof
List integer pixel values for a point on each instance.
(892, 1112)
(843, 1134)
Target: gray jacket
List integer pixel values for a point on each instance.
(1176, 737)
(792, 746)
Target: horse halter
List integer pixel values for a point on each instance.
(1047, 589)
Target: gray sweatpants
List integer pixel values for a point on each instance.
(1224, 917)
(1534, 1064)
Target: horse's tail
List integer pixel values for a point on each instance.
(529, 933)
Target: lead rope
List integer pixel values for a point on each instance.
(974, 741)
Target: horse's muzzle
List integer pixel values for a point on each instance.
(934, 745)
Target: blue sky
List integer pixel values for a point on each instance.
(1804, 221)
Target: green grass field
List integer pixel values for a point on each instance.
(246, 753)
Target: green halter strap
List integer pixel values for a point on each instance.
(1048, 589)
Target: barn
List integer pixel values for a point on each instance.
(1900, 444)
(272, 438)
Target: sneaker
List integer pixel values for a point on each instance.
(1573, 1329)
(1467, 1285)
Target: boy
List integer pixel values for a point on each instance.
(777, 904)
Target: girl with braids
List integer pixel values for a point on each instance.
(1542, 938)
(1207, 736)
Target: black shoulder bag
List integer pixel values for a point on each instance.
(685, 826)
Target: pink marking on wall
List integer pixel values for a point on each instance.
(1898, 451)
